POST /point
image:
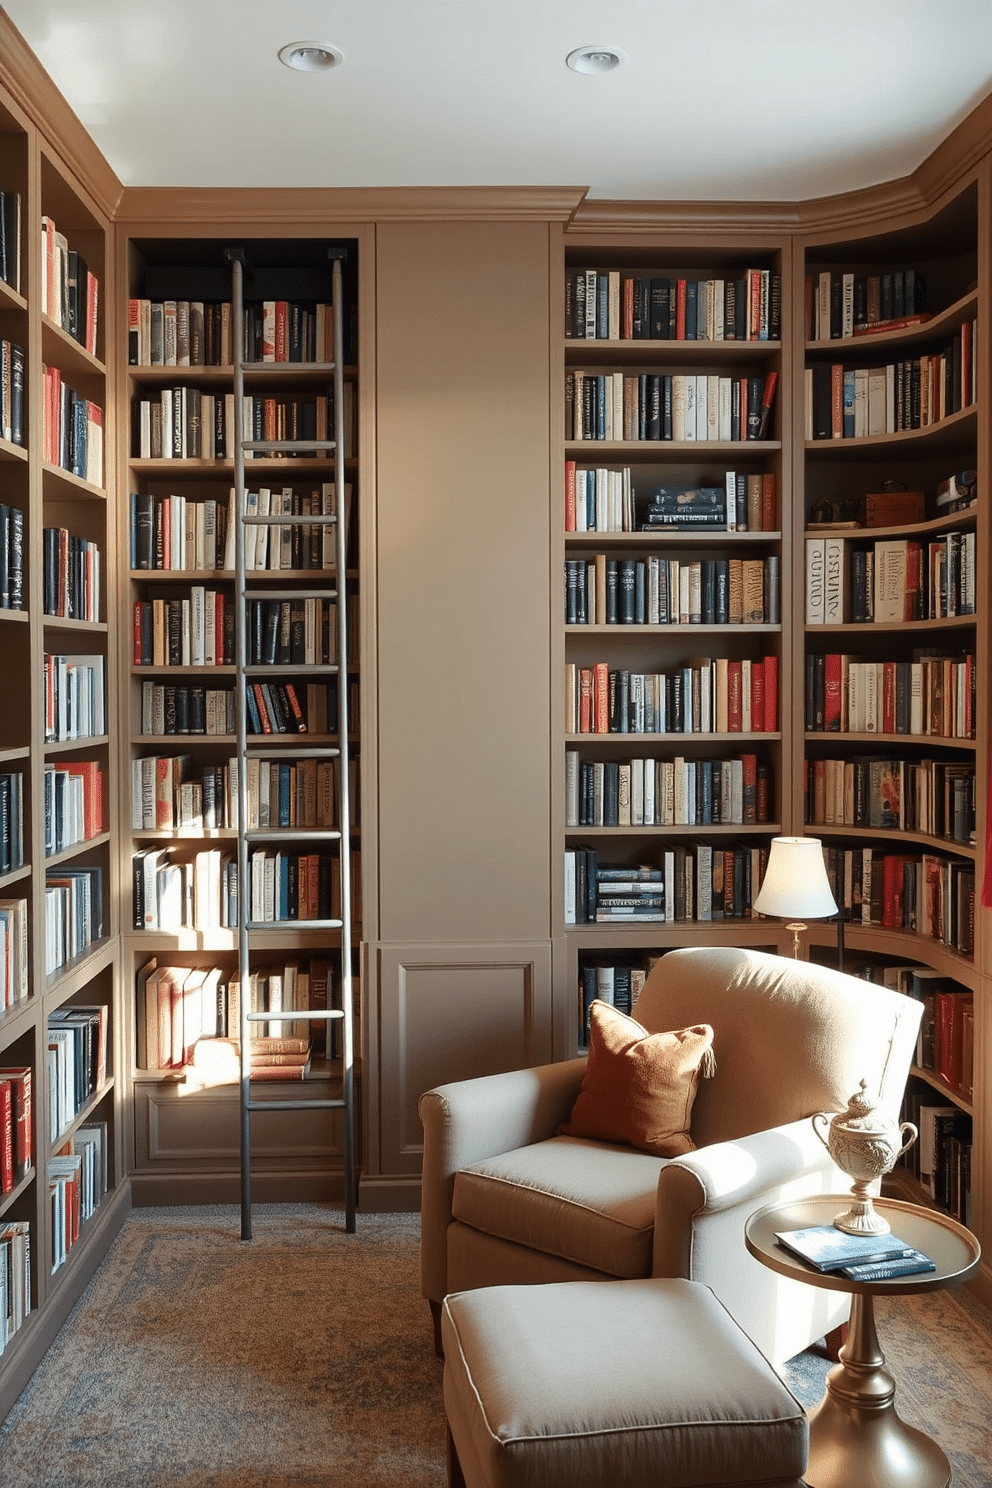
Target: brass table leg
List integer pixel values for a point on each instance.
(855, 1434)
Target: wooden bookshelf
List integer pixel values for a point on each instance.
(57, 630)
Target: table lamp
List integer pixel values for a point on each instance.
(795, 885)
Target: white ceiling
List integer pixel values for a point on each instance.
(718, 99)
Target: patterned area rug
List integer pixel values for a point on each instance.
(305, 1358)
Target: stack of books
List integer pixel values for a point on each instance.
(858, 1257)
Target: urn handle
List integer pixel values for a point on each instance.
(824, 1135)
(908, 1141)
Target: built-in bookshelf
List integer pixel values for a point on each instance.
(62, 1189)
(895, 666)
(187, 981)
(675, 564)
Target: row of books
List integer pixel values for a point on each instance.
(700, 882)
(11, 820)
(291, 632)
(669, 591)
(167, 710)
(16, 1125)
(201, 892)
(663, 793)
(13, 951)
(197, 333)
(857, 403)
(77, 1060)
(674, 407)
(178, 1007)
(74, 804)
(71, 429)
(894, 795)
(73, 913)
(608, 304)
(170, 893)
(892, 580)
(75, 697)
(840, 303)
(615, 982)
(945, 1044)
(185, 423)
(11, 557)
(10, 238)
(78, 1176)
(704, 695)
(12, 392)
(70, 291)
(931, 696)
(167, 794)
(176, 532)
(15, 1277)
(600, 499)
(195, 631)
(941, 1158)
(925, 893)
(70, 575)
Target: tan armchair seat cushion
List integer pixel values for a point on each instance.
(589, 1202)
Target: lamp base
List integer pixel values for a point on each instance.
(797, 927)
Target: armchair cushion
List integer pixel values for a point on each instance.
(639, 1087)
(590, 1203)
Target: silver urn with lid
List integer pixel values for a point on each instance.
(865, 1143)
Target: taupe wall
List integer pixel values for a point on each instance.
(463, 574)
(460, 979)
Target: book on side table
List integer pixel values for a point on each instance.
(858, 1257)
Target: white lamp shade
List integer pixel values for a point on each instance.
(795, 884)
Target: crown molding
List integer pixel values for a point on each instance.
(957, 155)
(320, 206)
(654, 218)
(37, 96)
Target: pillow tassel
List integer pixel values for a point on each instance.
(707, 1065)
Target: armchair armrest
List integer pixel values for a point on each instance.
(469, 1120)
(734, 1178)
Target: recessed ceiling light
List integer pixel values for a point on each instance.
(310, 56)
(594, 59)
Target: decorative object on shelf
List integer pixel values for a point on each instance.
(795, 884)
(865, 1144)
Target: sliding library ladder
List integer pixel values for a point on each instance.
(250, 836)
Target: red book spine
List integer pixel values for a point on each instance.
(888, 697)
(831, 692)
(680, 295)
(569, 495)
(282, 340)
(757, 697)
(294, 707)
(734, 709)
(601, 698)
(771, 694)
(769, 502)
(136, 633)
(585, 701)
(6, 1137)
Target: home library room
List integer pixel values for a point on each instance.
(237, 600)
(62, 1188)
(895, 661)
(676, 552)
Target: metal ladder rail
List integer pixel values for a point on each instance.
(345, 1102)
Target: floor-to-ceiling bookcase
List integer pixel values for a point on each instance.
(64, 1185)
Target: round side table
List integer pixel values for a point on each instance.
(855, 1434)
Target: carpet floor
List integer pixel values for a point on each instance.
(305, 1358)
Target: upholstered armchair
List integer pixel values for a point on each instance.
(506, 1199)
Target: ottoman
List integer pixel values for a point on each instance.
(631, 1384)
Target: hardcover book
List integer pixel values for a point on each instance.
(830, 1249)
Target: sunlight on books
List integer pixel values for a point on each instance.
(216, 1061)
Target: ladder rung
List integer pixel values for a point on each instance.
(279, 369)
(294, 925)
(293, 834)
(289, 445)
(302, 1105)
(280, 754)
(287, 521)
(291, 594)
(303, 1015)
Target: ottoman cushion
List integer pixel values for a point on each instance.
(634, 1383)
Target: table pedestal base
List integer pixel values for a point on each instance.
(855, 1434)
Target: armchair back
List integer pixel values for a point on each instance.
(790, 1038)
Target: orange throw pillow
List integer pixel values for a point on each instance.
(639, 1087)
